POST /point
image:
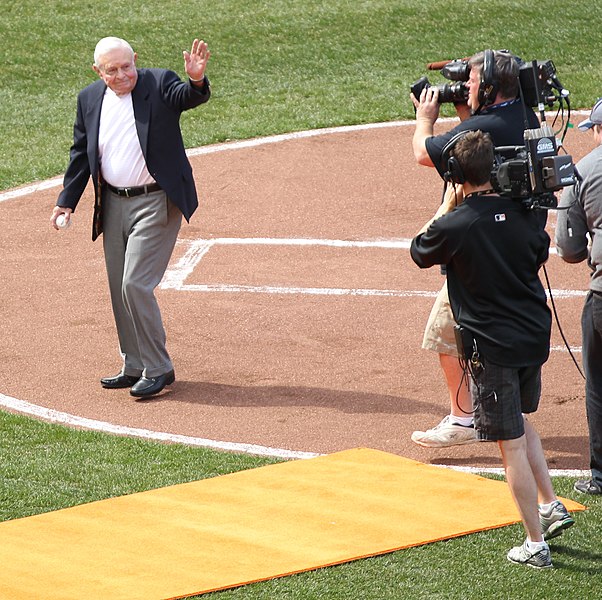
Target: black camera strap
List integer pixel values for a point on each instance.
(560, 330)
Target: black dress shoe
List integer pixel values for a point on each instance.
(149, 386)
(119, 381)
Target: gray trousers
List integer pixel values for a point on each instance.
(138, 238)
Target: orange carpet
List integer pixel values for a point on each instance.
(250, 526)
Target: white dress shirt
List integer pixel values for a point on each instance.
(121, 160)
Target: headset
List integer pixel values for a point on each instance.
(450, 167)
(488, 88)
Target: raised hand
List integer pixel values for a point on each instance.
(195, 61)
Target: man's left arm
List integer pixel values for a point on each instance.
(454, 194)
(186, 95)
(195, 63)
(427, 250)
(433, 243)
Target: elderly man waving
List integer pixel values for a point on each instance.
(127, 138)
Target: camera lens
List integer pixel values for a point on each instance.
(455, 92)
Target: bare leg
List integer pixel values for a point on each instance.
(539, 466)
(451, 432)
(457, 385)
(522, 484)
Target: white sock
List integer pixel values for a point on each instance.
(534, 547)
(465, 421)
(546, 508)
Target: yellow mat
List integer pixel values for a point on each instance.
(249, 526)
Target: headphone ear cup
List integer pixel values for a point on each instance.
(488, 86)
(454, 171)
(443, 166)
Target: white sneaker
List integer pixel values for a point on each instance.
(555, 521)
(445, 434)
(538, 560)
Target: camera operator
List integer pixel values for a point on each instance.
(580, 218)
(493, 249)
(493, 106)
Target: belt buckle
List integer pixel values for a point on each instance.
(127, 192)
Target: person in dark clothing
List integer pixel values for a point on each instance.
(493, 106)
(493, 249)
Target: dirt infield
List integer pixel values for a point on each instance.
(293, 311)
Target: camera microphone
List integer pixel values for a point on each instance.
(456, 70)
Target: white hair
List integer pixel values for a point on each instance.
(106, 45)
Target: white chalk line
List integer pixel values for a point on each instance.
(242, 144)
(31, 189)
(61, 418)
(227, 146)
(176, 275)
(500, 471)
(267, 289)
(58, 417)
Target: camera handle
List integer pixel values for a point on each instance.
(540, 104)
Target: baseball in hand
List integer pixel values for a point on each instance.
(62, 222)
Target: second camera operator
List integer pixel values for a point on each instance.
(493, 105)
(493, 248)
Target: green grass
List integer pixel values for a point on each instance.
(46, 467)
(276, 66)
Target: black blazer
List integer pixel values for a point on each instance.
(159, 98)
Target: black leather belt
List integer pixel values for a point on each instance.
(129, 192)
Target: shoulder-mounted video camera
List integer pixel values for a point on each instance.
(533, 172)
(456, 70)
(538, 83)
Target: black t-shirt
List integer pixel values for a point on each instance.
(504, 122)
(493, 249)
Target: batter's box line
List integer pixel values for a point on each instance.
(176, 275)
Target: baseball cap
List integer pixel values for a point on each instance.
(595, 117)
